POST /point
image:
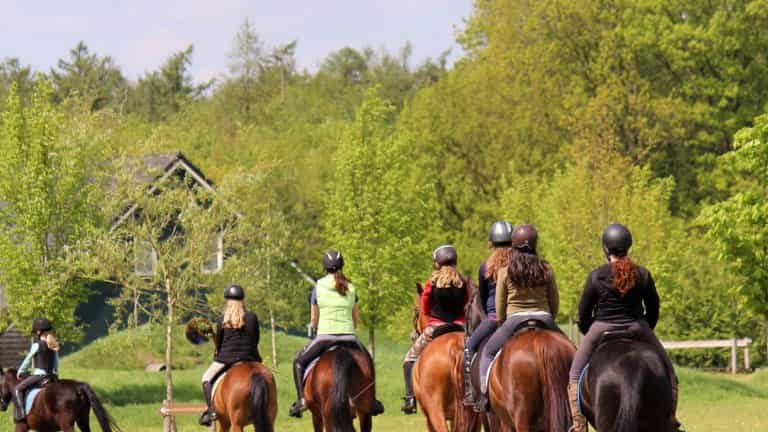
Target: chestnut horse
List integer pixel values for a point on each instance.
(626, 388)
(438, 382)
(527, 383)
(339, 388)
(246, 395)
(59, 406)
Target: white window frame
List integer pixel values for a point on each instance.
(219, 257)
(144, 246)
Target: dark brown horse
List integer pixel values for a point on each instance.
(246, 395)
(626, 388)
(59, 406)
(438, 382)
(339, 388)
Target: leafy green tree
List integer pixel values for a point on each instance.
(97, 81)
(376, 216)
(48, 201)
(738, 226)
(13, 73)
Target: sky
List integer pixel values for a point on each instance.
(140, 34)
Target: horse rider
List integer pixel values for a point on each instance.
(334, 316)
(237, 340)
(445, 295)
(525, 290)
(500, 246)
(43, 356)
(617, 295)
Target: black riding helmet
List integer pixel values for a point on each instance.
(333, 261)
(41, 325)
(525, 237)
(616, 240)
(234, 292)
(445, 255)
(500, 233)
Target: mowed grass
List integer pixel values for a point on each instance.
(114, 367)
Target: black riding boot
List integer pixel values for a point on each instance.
(19, 415)
(409, 404)
(469, 397)
(209, 416)
(298, 380)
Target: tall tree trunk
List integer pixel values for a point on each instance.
(274, 339)
(169, 422)
(372, 341)
(135, 308)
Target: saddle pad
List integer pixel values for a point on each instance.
(314, 361)
(30, 398)
(216, 383)
(487, 376)
(578, 388)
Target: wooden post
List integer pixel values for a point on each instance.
(747, 363)
(734, 355)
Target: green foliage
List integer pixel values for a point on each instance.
(97, 82)
(47, 203)
(379, 223)
(13, 73)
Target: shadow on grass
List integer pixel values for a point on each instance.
(131, 394)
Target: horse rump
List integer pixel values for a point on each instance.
(106, 422)
(555, 353)
(260, 403)
(344, 368)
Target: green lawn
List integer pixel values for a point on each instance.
(709, 402)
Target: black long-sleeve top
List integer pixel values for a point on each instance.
(602, 302)
(234, 345)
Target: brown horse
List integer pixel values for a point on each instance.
(438, 382)
(339, 388)
(527, 384)
(59, 406)
(245, 395)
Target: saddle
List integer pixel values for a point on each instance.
(334, 347)
(447, 328)
(618, 334)
(532, 324)
(29, 396)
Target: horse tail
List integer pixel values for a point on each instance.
(555, 357)
(260, 403)
(629, 405)
(344, 366)
(106, 421)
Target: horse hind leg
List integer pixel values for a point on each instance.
(83, 423)
(366, 423)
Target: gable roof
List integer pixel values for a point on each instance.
(157, 168)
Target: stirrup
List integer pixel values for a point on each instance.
(207, 418)
(409, 405)
(296, 409)
(482, 403)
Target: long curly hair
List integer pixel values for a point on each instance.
(528, 270)
(446, 276)
(234, 315)
(624, 274)
(500, 258)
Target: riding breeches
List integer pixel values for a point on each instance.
(28, 383)
(639, 328)
(502, 335)
(321, 343)
(419, 344)
(212, 371)
(483, 331)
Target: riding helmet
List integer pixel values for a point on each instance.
(500, 234)
(234, 292)
(617, 240)
(445, 255)
(333, 261)
(41, 325)
(524, 238)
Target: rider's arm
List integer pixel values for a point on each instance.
(483, 287)
(219, 337)
(587, 305)
(651, 301)
(424, 302)
(28, 359)
(314, 316)
(356, 315)
(553, 297)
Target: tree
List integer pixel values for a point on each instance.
(13, 73)
(97, 81)
(376, 216)
(739, 225)
(164, 247)
(47, 203)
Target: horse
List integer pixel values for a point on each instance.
(626, 388)
(59, 406)
(339, 388)
(245, 393)
(438, 382)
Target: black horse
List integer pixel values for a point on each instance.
(59, 406)
(626, 388)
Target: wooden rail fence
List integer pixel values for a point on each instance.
(734, 344)
(174, 409)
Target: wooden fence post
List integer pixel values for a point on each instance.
(747, 363)
(734, 356)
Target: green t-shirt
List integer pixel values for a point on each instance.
(335, 310)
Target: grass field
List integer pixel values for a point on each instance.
(709, 402)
